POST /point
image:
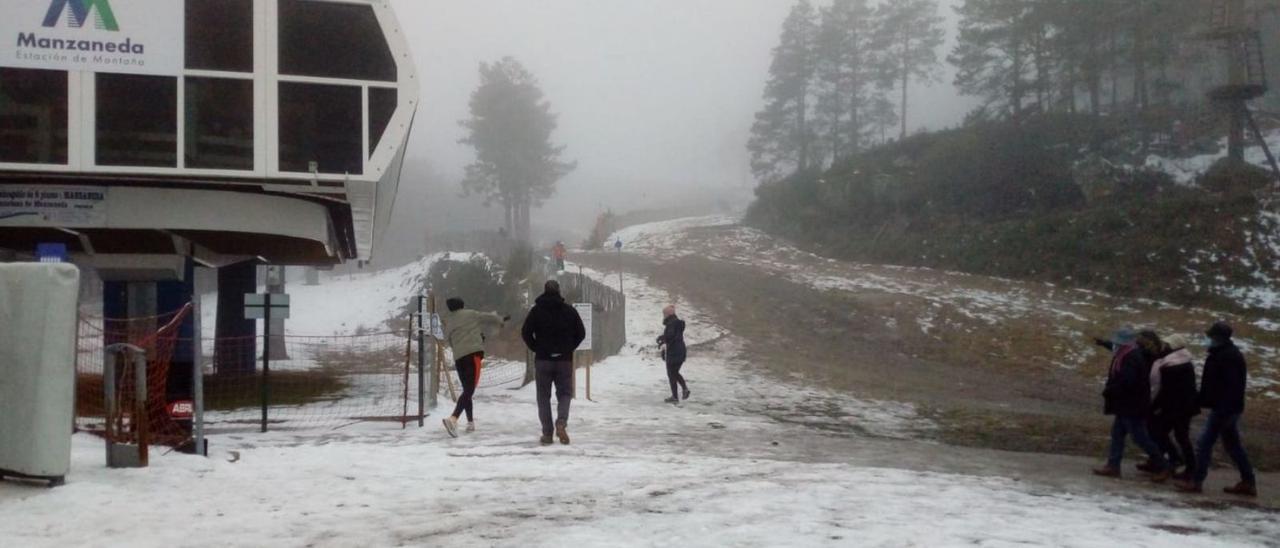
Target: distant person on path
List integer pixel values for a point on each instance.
(673, 351)
(464, 330)
(1173, 404)
(559, 252)
(553, 332)
(1128, 398)
(1222, 393)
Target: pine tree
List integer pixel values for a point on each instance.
(910, 34)
(845, 74)
(994, 54)
(510, 128)
(782, 137)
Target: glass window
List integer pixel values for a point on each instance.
(220, 35)
(382, 105)
(322, 124)
(333, 40)
(33, 116)
(137, 121)
(219, 123)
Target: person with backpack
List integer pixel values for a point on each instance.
(673, 351)
(1127, 397)
(553, 331)
(1173, 405)
(1222, 392)
(464, 330)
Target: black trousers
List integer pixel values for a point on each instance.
(674, 376)
(559, 374)
(1180, 426)
(469, 375)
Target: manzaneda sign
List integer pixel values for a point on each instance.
(131, 36)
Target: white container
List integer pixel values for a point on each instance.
(37, 368)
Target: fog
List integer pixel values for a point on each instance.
(655, 101)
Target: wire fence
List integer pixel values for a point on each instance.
(318, 382)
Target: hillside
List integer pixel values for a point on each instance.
(1058, 199)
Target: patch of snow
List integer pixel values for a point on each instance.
(1185, 171)
(346, 304)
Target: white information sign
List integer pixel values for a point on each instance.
(132, 36)
(584, 310)
(255, 306)
(62, 206)
(437, 327)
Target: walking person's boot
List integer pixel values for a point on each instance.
(1163, 475)
(1244, 489)
(1146, 466)
(1189, 487)
(546, 439)
(562, 434)
(686, 393)
(671, 400)
(1107, 471)
(451, 425)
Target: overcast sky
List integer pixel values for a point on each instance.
(656, 97)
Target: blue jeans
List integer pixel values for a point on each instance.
(1228, 427)
(1124, 427)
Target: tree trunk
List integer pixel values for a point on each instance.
(802, 126)
(906, 80)
(1140, 95)
(522, 219)
(508, 219)
(1016, 86)
(1094, 76)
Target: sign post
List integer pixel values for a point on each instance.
(266, 307)
(618, 246)
(585, 312)
(422, 359)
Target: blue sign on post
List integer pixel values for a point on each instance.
(51, 253)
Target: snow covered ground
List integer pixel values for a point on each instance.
(1185, 171)
(727, 467)
(346, 304)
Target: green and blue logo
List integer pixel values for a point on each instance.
(77, 13)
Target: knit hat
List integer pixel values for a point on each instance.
(1176, 342)
(1124, 335)
(1220, 330)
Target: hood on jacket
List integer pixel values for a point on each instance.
(549, 299)
(1178, 357)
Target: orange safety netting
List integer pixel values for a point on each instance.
(314, 382)
(156, 336)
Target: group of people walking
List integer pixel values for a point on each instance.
(1151, 391)
(552, 331)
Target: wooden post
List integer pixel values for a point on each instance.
(591, 357)
(430, 323)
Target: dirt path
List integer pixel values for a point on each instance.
(1005, 369)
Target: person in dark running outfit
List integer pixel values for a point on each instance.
(674, 351)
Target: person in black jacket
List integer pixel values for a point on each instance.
(1222, 393)
(552, 331)
(1128, 396)
(1173, 404)
(674, 351)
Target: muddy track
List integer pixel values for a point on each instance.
(980, 393)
